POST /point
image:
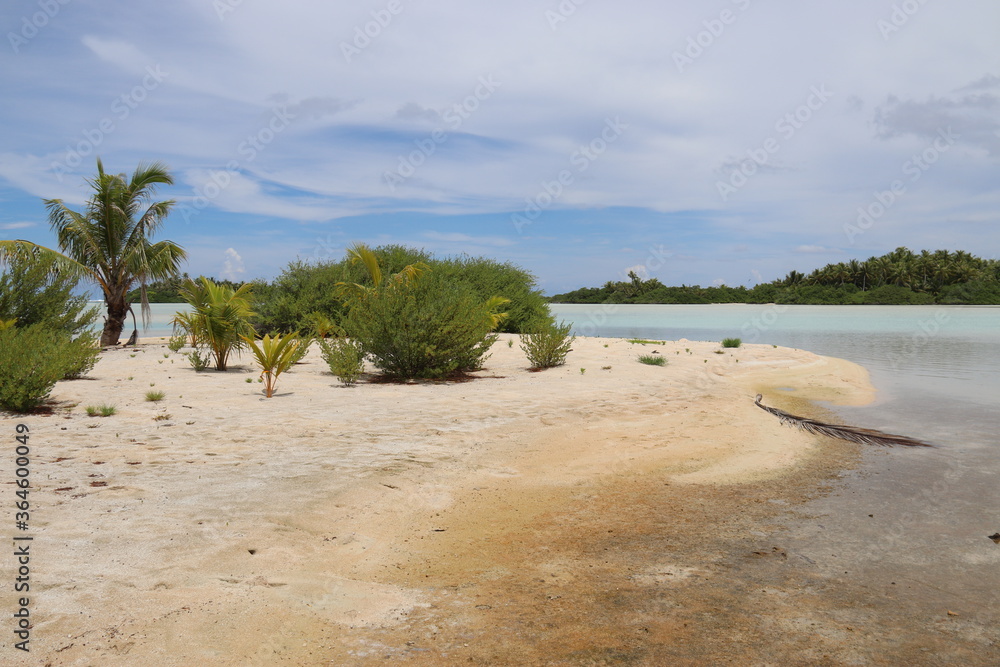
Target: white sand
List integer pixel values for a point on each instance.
(214, 536)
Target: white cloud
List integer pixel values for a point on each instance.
(232, 267)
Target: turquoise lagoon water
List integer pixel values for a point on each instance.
(917, 517)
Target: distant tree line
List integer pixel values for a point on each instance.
(899, 277)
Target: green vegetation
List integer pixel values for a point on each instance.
(900, 277)
(219, 320)
(199, 360)
(345, 358)
(547, 344)
(155, 396)
(44, 329)
(417, 323)
(301, 298)
(102, 410)
(643, 341)
(731, 342)
(274, 356)
(652, 360)
(109, 242)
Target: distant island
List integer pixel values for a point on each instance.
(900, 277)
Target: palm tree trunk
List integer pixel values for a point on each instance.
(114, 323)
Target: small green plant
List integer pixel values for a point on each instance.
(653, 360)
(166, 355)
(643, 341)
(720, 351)
(152, 384)
(198, 360)
(131, 377)
(102, 410)
(345, 358)
(249, 380)
(132, 355)
(548, 344)
(582, 371)
(510, 343)
(274, 356)
(176, 342)
(154, 396)
(731, 342)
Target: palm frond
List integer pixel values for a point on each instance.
(862, 436)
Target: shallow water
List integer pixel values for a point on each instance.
(909, 526)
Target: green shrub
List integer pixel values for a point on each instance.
(301, 349)
(32, 293)
(31, 362)
(80, 354)
(653, 360)
(731, 342)
(198, 360)
(176, 342)
(427, 328)
(548, 344)
(345, 358)
(154, 395)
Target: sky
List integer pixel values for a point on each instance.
(722, 142)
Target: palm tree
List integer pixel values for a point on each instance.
(109, 242)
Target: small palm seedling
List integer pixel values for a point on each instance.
(101, 410)
(653, 360)
(274, 356)
(731, 342)
(154, 396)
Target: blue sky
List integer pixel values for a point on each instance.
(727, 141)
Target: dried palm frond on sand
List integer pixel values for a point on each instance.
(862, 436)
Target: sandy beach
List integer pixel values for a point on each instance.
(555, 517)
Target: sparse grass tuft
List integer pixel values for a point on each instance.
(154, 396)
(731, 342)
(101, 410)
(643, 341)
(653, 360)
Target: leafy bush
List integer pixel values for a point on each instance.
(79, 355)
(31, 362)
(176, 342)
(421, 327)
(301, 348)
(548, 344)
(198, 360)
(731, 342)
(31, 292)
(652, 360)
(345, 358)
